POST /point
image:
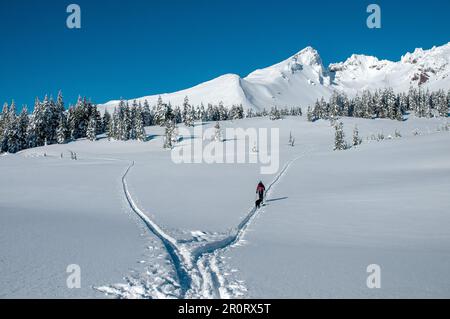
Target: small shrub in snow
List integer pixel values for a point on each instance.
(291, 141)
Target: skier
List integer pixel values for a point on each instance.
(260, 189)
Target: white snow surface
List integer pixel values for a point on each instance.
(141, 226)
(302, 79)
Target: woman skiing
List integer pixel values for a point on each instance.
(260, 189)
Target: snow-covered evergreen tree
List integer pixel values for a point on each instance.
(13, 144)
(442, 104)
(22, 128)
(106, 120)
(160, 112)
(139, 125)
(188, 113)
(356, 139)
(217, 132)
(147, 114)
(111, 130)
(222, 112)
(91, 132)
(62, 131)
(4, 117)
(169, 134)
(339, 139)
(275, 114)
(177, 115)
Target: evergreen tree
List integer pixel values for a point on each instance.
(22, 128)
(4, 117)
(217, 132)
(139, 125)
(177, 115)
(442, 104)
(71, 124)
(275, 114)
(111, 131)
(62, 131)
(12, 130)
(92, 129)
(310, 115)
(356, 139)
(106, 120)
(57, 112)
(160, 111)
(100, 129)
(147, 114)
(222, 112)
(188, 113)
(339, 140)
(169, 134)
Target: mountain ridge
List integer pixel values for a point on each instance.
(302, 78)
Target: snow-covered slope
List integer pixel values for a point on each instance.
(302, 78)
(327, 216)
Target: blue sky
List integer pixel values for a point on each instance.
(134, 48)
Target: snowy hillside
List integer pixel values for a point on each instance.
(302, 78)
(141, 226)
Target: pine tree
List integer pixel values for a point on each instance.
(147, 114)
(391, 104)
(12, 130)
(356, 139)
(61, 131)
(71, 124)
(160, 112)
(187, 114)
(310, 114)
(275, 114)
(339, 140)
(335, 105)
(4, 117)
(139, 125)
(106, 120)
(170, 134)
(442, 104)
(92, 129)
(202, 113)
(22, 128)
(57, 112)
(111, 131)
(222, 112)
(177, 115)
(100, 129)
(217, 132)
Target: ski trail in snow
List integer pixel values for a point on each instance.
(206, 253)
(179, 256)
(197, 270)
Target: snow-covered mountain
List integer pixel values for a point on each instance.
(302, 78)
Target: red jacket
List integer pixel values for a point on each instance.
(260, 188)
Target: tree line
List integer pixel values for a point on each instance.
(383, 103)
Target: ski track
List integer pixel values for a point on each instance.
(196, 269)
